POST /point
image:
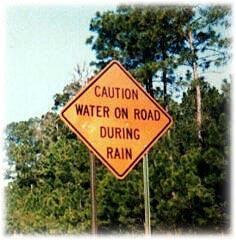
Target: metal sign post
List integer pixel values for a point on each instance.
(93, 193)
(146, 195)
(112, 115)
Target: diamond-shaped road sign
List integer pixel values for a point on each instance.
(116, 119)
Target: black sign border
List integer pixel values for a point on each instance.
(141, 89)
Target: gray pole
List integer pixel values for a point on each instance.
(146, 195)
(93, 193)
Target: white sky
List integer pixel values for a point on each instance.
(43, 46)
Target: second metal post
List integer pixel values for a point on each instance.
(93, 193)
(146, 195)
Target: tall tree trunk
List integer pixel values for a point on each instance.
(196, 80)
(150, 86)
(164, 79)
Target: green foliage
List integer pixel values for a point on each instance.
(152, 42)
(50, 191)
(49, 188)
(146, 40)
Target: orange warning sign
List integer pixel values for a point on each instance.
(116, 119)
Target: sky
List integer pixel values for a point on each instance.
(42, 47)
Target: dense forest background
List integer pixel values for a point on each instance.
(168, 49)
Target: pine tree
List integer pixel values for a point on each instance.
(146, 40)
(206, 46)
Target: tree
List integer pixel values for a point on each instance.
(188, 191)
(206, 46)
(146, 40)
(49, 188)
(156, 40)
